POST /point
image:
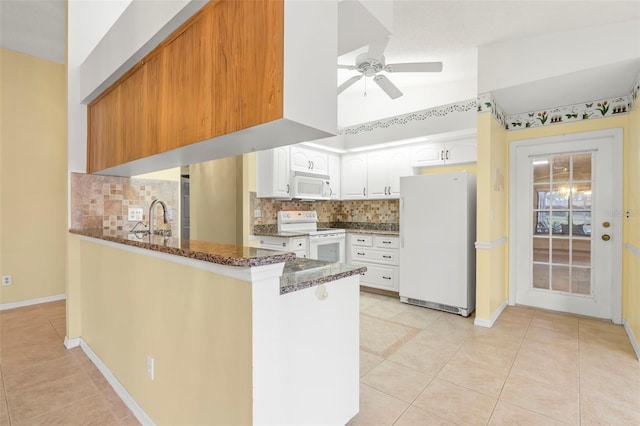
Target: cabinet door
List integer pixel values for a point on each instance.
(300, 159)
(281, 172)
(377, 174)
(272, 173)
(334, 176)
(354, 177)
(399, 161)
(431, 154)
(319, 162)
(461, 151)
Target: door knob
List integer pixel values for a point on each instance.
(606, 237)
(606, 224)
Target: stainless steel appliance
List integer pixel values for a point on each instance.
(324, 243)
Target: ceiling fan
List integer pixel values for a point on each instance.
(370, 63)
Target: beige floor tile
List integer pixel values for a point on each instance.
(20, 380)
(367, 300)
(17, 338)
(54, 309)
(475, 375)
(60, 326)
(4, 410)
(384, 309)
(506, 414)
(493, 352)
(398, 381)
(33, 354)
(600, 411)
(560, 404)
(550, 341)
(549, 369)
(129, 421)
(555, 321)
(415, 416)
(368, 362)
(426, 356)
(417, 317)
(382, 337)
(49, 397)
(20, 317)
(86, 412)
(377, 408)
(613, 385)
(455, 403)
(117, 407)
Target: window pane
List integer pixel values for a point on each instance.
(582, 167)
(560, 278)
(561, 168)
(541, 197)
(581, 196)
(541, 250)
(581, 252)
(560, 223)
(541, 223)
(581, 280)
(560, 250)
(540, 276)
(541, 170)
(581, 224)
(560, 196)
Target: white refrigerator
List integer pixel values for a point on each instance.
(437, 236)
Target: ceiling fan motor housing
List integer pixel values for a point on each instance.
(369, 66)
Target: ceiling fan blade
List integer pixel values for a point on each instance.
(414, 67)
(388, 87)
(376, 48)
(346, 67)
(348, 83)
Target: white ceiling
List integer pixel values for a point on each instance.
(425, 30)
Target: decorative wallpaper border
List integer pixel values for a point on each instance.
(486, 103)
(439, 111)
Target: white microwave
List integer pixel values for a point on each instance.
(309, 186)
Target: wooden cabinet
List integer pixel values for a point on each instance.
(334, 176)
(384, 171)
(273, 173)
(458, 151)
(354, 177)
(379, 253)
(309, 160)
(220, 72)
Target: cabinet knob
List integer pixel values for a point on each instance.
(386, 256)
(360, 254)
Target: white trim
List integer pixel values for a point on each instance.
(23, 303)
(71, 343)
(632, 338)
(489, 323)
(242, 273)
(126, 397)
(616, 135)
(633, 249)
(482, 245)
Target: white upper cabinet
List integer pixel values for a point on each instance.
(354, 177)
(273, 173)
(309, 160)
(457, 151)
(384, 171)
(334, 176)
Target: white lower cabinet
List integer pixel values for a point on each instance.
(298, 245)
(379, 253)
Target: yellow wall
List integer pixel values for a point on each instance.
(492, 225)
(195, 324)
(214, 190)
(248, 186)
(33, 176)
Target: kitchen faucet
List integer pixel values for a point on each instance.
(164, 214)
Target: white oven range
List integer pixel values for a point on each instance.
(322, 244)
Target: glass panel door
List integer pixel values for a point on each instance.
(561, 226)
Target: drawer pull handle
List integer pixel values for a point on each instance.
(362, 273)
(386, 257)
(386, 242)
(387, 278)
(360, 254)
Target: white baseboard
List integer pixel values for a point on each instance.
(71, 343)
(489, 323)
(23, 303)
(126, 397)
(632, 338)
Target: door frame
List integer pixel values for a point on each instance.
(616, 137)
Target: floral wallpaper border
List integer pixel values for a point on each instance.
(439, 111)
(566, 114)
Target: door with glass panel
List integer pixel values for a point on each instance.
(565, 227)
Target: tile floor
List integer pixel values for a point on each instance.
(43, 383)
(424, 367)
(418, 367)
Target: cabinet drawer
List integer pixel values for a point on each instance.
(385, 241)
(385, 277)
(298, 244)
(361, 240)
(363, 254)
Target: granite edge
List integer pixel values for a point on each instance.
(285, 289)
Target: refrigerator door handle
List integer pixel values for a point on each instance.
(401, 228)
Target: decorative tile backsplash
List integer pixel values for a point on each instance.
(349, 214)
(103, 201)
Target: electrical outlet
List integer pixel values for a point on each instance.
(257, 213)
(6, 280)
(150, 372)
(134, 213)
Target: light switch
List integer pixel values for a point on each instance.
(134, 213)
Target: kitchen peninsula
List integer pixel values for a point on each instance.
(236, 335)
